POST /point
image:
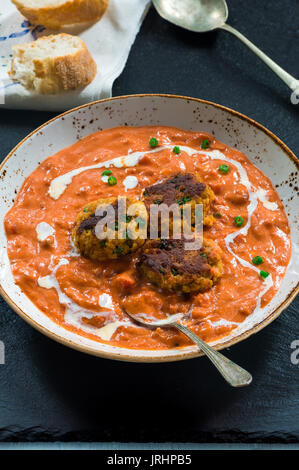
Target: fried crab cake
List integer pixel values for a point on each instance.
(184, 189)
(118, 237)
(168, 265)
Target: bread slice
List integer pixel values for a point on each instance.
(56, 13)
(53, 64)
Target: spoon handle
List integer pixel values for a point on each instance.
(233, 374)
(291, 81)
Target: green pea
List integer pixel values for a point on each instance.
(239, 221)
(223, 168)
(112, 180)
(257, 260)
(264, 274)
(153, 142)
(107, 173)
(205, 144)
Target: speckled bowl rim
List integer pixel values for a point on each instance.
(180, 356)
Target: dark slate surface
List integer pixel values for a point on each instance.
(48, 392)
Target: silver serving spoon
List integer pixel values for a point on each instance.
(233, 374)
(205, 15)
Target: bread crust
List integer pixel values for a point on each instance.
(71, 12)
(60, 73)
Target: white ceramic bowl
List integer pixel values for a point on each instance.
(264, 149)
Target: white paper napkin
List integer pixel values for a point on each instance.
(109, 41)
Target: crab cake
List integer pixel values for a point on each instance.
(184, 189)
(167, 264)
(122, 234)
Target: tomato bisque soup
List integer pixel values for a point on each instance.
(89, 296)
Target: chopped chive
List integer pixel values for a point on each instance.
(174, 272)
(112, 180)
(217, 215)
(119, 250)
(223, 168)
(116, 226)
(153, 142)
(183, 200)
(239, 221)
(264, 274)
(145, 193)
(158, 201)
(107, 173)
(103, 243)
(85, 209)
(176, 150)
(257, 260)
(205, 144)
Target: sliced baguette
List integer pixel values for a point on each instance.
(57, 13)
(52, 64)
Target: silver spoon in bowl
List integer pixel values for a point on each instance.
(233, 374)
(206, 15)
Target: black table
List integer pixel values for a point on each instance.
(49, 392)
